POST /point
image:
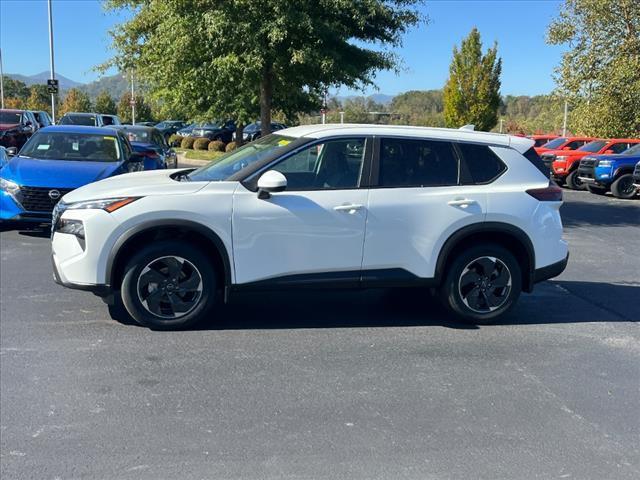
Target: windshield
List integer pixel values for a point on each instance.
(208, 125)
(593, 147)
(89, 120)
(553, 144)
(635, 150)
(10, 117)
(234, 161)
(72, 146)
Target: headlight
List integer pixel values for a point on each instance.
(605, 163)
(107, 204)
(10, 187)
(72, 227)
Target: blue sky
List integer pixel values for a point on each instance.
(519, 26)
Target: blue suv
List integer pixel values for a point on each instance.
(56, 160)
(602, 173)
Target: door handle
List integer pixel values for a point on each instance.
(352, 208)
(461, 202)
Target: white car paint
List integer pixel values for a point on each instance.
(318, 231)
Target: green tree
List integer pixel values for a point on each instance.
(250, 58)
(39, 98)
(105, 103)
(143, 110)
(75, 101)
(600, 74)
(472, 92)
(15, 88)
(419, 107)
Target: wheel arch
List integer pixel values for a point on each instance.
(193, 232)
(508, 236)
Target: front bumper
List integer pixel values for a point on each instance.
(99, 290)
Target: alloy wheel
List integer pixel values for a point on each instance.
(169, 287)
(485, 284)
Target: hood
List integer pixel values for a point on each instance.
(618, 157)
(8, 126)
(33, 172)
(566, 153)
(138, 184)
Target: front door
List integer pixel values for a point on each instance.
(314, 230)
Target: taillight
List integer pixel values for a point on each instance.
(552, 193)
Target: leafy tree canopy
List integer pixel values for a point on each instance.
(75, 101)
(472, 92)
(105, 103)
(242, 58)
(143, 110)
(600, 74)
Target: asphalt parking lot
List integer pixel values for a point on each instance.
(353, 385)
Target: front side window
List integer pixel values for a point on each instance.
(70, 146)
(335, 164)
(574, 145)
(417, 163)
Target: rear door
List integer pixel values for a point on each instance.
(417, 200)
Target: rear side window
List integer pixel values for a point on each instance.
(537, 162)
(480, 164)
(417, 163)
(575, 144)
(619, 147)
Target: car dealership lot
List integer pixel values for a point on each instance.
(372, 384)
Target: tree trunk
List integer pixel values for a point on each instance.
(239, 134)
(266, 92)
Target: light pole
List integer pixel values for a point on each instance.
(133, 102)
(501, 122)
(53, 73)
(564, 123)
(341, 117)
(1, 82)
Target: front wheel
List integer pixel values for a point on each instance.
(623, 187)
(482, 283)
(169, 285)
(574, 182)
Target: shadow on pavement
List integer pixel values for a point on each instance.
(38, 230)
(551, 303)
(577, 213)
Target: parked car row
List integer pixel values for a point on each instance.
(61, 158)
(594, 164)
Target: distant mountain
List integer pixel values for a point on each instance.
(382, 98)
(115, 85)
(42, 77)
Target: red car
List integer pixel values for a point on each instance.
(542, 139)
(564, 163)
(16, 127)
(563, 143)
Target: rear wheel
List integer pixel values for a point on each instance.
(623, 187)
(573, 182)
(596, 190)
(169, 285)
(482, 283)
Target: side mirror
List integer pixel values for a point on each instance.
(271, 182)
(12, 151)
(566, 148)
(609, 152)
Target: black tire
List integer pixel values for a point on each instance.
(623, 187)
(169, 285)
(573, 182)
(596, 190)
(472, 264)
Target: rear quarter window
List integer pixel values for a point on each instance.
(479, 164)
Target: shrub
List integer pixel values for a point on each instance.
(231, 146)
(201, 143)
(187, 142)
(216, 146)
(175, 140)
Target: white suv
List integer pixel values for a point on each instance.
(470, 214)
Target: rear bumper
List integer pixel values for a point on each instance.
(550, 271)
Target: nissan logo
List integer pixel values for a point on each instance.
(54, 194)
